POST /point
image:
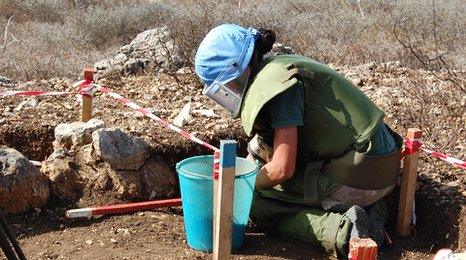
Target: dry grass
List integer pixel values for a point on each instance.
(58, 38)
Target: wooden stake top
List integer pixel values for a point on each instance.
(89, 73)
(414, 133)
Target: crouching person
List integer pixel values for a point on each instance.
(328, 157)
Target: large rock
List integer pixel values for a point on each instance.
(151, 50)
(119, 150)
(109, 167)
(127, 184)
(75, 134)
(158, 180)
(66, 183)
(22, 186)
(155, 179)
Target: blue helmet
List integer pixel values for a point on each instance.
(223, 46)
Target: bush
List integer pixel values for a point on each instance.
(52, 45)
(58, 38)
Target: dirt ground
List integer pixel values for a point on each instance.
(158, 235)
(46, 234)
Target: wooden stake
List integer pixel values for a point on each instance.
(87, 101)
(223, 200)
(408, 186)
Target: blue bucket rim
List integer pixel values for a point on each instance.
(210, 177)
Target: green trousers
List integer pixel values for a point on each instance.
(297, 222)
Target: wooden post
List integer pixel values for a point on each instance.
(408, 182)
(87, 100)
(224, 188)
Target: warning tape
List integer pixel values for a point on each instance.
(159, 120)
(35, 93)
(216, 170)
(456, 162)
(415, 145)
(84, 87)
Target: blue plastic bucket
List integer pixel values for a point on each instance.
(196, 185)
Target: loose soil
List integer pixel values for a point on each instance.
(46, 234)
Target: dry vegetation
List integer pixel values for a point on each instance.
(57, 38)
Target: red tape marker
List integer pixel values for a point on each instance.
(456, 162)
(412, 146)
(160, 121)
(36, 93)
(216, 164)
(122, 208)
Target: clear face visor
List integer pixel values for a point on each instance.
(230, 94)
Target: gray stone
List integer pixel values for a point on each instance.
(184, 70)
(31, 103)
(132, 66)
(279, 48)
(138, 114)
(22, 185)
(120, 150)
(183, 116)
(59, 153)
(75, 134)
(102, 65)
(151, 38)
(66, 183)
(127, 184)
(453, 184)
(120, 58)
(158, 180)
(150, 50)
(4, 81)
(206, 113)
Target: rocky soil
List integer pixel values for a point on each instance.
(411, 98)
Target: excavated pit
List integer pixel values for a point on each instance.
(440, 209)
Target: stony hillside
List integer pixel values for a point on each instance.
(432, 101)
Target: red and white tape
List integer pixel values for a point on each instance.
(36, 93)
(415, 145)
(456, 162)
(160, 121)
(122, 208)
(84, 87)
(216, 164)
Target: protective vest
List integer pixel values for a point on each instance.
(338, 117)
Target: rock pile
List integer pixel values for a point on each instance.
(92, 165)
(22, 186)
(154, 50)
(151, 50)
